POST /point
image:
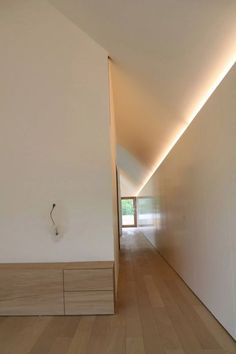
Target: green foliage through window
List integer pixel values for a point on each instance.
(127, 207)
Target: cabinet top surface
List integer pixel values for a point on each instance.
(59, 265)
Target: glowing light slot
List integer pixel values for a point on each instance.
(195, 112)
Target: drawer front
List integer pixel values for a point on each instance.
(89, 303)
(88, 279)
(31, 292)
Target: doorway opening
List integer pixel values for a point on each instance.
(129, 212)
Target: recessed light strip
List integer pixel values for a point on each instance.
(189, 121)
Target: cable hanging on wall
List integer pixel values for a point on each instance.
(51, 217)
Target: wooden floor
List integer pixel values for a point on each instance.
(156, 314)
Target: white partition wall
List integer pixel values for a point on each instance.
(54, 136)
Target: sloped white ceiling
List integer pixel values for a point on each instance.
(166, 55)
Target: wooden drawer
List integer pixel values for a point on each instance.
(88, 279)
(89, 303)
(31, 292)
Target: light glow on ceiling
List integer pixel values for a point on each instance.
(193, 115)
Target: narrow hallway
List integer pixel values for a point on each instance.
(160, 312)
(156, 314)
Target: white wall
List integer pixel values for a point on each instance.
(54, 136)
(196, 189)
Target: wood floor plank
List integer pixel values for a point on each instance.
(79, 342)
(134, 345)
(18, 334)
(214, 351)
(175, 351)
(166, 330)
(153, 293)
(98, 341)
(117, 335)
(29, 334)
(206, 339)
(152, 340)
(58, 327)
(60, 346)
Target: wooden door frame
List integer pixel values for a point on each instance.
(135, 211)
(118, 204)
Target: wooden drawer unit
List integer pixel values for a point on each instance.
(89, 302)
(88, 279)
(75, 288)
(89, 291)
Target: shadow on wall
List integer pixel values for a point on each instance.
(131, 172)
